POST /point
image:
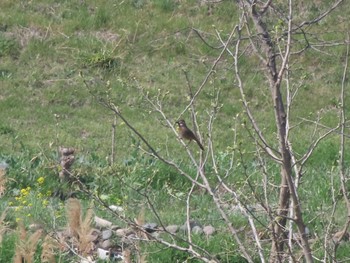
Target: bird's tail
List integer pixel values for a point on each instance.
(199, 144)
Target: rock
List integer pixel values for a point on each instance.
(197, 230)
(102, 223)
(103, 254)
(106, 244)
(150, 227)
(36, 226)
(106, 234)
(172, 229)
(193, 223)
(209, 230)
(116, 208)
(122, 232)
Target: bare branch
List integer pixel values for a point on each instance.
(343, 177)
(267, 148)
(313, 146)
(198, 32)
(320, 17)
(211, 71)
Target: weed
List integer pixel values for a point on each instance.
(26, 245)
(80, 226)
(8, 46)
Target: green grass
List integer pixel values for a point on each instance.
(124, 50)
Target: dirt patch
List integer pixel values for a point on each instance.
(105, 36)
(24, 34)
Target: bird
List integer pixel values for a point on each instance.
(186, 133)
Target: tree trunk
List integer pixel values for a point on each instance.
(287, 188)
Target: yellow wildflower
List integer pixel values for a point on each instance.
(40, 180)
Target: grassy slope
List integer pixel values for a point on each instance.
(44, 103)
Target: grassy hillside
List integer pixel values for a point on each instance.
(58, 59)
(119, 48)
(46, 45)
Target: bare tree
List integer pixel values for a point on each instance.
(254, 32)
(274, 55)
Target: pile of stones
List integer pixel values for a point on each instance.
(114, 243)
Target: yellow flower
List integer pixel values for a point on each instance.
(18, 219)
(25, 191)
(40, 180)
(29, 215)
(45, 202)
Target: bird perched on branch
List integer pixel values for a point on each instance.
(186, 133)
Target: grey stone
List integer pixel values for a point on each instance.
(172, 229)
(122, 232)
(209, 230)
(103, 254)
(106, 244)
(106, 234)
(193, 223)
(116, 208)
(101, 223)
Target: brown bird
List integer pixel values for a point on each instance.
(186, 133)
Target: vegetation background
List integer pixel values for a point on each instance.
(59, 58)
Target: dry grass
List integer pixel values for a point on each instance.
(79, 227)
(3, 225)
(48, 250)
(25, 34)
(26, 245)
